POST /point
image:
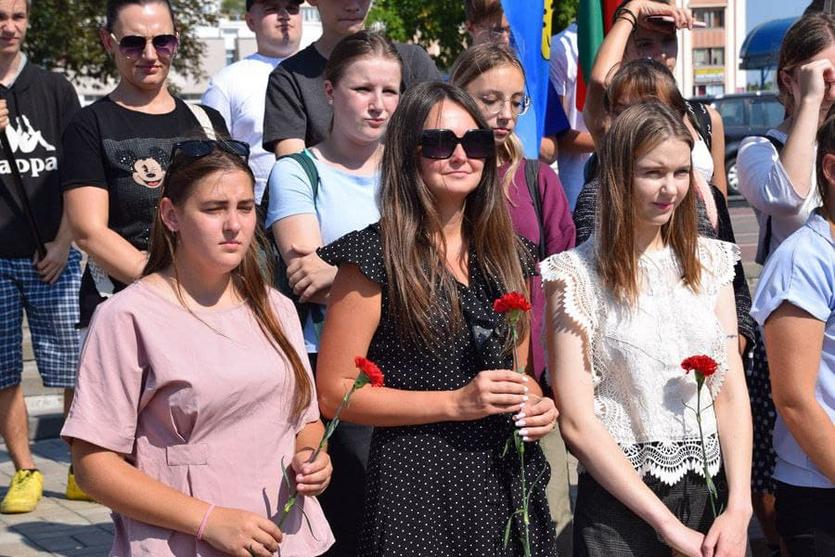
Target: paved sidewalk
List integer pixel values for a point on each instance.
(58, 526)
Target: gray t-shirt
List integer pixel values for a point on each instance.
(296, 107)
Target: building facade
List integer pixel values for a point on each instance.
(708, 62)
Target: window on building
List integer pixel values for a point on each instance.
(230, 56)
(714, 18)
(708, 56)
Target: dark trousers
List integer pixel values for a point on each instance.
(806, 520)
(343, 500)
(605, 527)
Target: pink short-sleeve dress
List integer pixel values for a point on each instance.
(201, 402)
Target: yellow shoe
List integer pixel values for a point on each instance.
(24, 492)
(74, 492)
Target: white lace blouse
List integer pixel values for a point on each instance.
(642, 395)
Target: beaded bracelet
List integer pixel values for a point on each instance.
(204, 522)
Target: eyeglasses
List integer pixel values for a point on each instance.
(494, 105)
(441, 143)
(197, 148)
(132, 46)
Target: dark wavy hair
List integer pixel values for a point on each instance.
(413, 243)
(249, 277)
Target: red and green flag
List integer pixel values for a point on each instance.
(594, 19)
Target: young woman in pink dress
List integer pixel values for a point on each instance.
(192, 389)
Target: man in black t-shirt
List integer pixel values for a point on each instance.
(38, 105)
(297, 114)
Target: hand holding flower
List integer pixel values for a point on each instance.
(311, 477)
(537, 418)
(492, 391)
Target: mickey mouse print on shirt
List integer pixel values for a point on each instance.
(136, 169)
(147, 171)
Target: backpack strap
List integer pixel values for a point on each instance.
(203, 119)
(765, 244)
(532, 181)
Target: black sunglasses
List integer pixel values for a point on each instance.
(440, 144)
(132, 46)
(196, 148)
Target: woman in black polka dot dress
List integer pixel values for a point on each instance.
(414, 293)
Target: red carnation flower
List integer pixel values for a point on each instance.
(512, 301)
(703, 365)
(370, 369)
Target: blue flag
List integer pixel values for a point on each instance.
(530, 31)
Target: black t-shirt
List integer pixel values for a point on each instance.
(126, 153)
(296, 107)
(41, 104)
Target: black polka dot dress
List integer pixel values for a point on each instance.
(444, 489)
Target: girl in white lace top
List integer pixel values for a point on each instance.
(624, 309)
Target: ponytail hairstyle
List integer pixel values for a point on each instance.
(807, 36)
(248, 277)
(469, 66)
(355, 46)
(115, 6)
(414, 249)
(635, 132)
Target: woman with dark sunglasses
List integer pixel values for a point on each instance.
(117, 149)
(414, 293)
(193, 389)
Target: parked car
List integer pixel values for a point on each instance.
(745, 114)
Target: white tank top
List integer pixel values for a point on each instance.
(703, 160)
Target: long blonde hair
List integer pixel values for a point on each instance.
(468, 67)
(248, 277)
(635, 132)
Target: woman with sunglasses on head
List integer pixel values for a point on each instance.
(193, 390)
(624, 310)
(414, 293)
(362, 84)
(117, 148)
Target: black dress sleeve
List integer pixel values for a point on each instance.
(363, 248)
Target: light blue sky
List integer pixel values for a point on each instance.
(759, 11)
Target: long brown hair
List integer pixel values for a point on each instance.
(248, 277)
(413, 241)
(807, 36)
(635, 132)
(475, 61)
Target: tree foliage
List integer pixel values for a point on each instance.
(565, 11)
(436, 25)
(64, 34)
